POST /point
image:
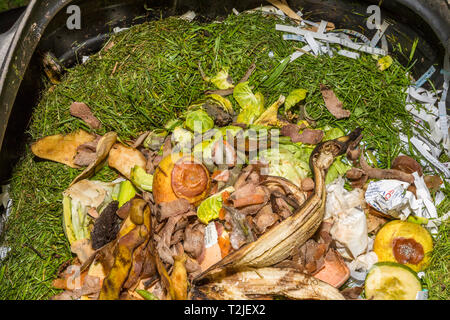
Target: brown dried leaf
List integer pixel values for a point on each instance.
(433, 182)
(83, 249)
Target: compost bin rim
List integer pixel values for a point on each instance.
(37, 17)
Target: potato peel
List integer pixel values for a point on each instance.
(61, 148)
(123, 159)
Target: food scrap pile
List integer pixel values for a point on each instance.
(237, 194)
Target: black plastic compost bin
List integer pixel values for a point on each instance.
(41, 27)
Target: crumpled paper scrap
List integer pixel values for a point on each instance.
(392, 198)
(345, 209)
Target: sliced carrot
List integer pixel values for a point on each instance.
(222, 213)
(216, 173)
(224, 244)
(335, 272)
(226, 198)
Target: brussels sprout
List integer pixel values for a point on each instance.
(199, 121)
(182, 139)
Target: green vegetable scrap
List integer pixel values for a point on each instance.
(284, 163)
(252, 105)
(222, 79)
(126, 192)
(210, 207)
(155, 139)
(294, 97)
(141, 178)
(146, 295)
(199, 121)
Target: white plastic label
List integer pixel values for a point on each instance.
(422, 295)
(210, 235)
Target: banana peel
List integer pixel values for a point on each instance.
(129, 254)
(277, 244)
(139, 213)
(179, 278)
(112, 284)
(286, 282)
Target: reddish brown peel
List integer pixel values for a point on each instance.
(332, 103)
(307, 136)
(82, 111)
(376, 173)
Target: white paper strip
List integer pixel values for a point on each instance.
(379, 34)
(312, 43)
(311, 23)
(443, 119)
(357, 34)
(322, 26)
(330, 52)
(420, 95)
(421, 114)
(438, 165)
(427, 143)
(295, 37)
(425, 77)
(331, 38)
(3, 252)
(298, 54)
(348, 54)
(384, 44)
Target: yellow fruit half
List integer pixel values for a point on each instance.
(180, 176)
(405, 243)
